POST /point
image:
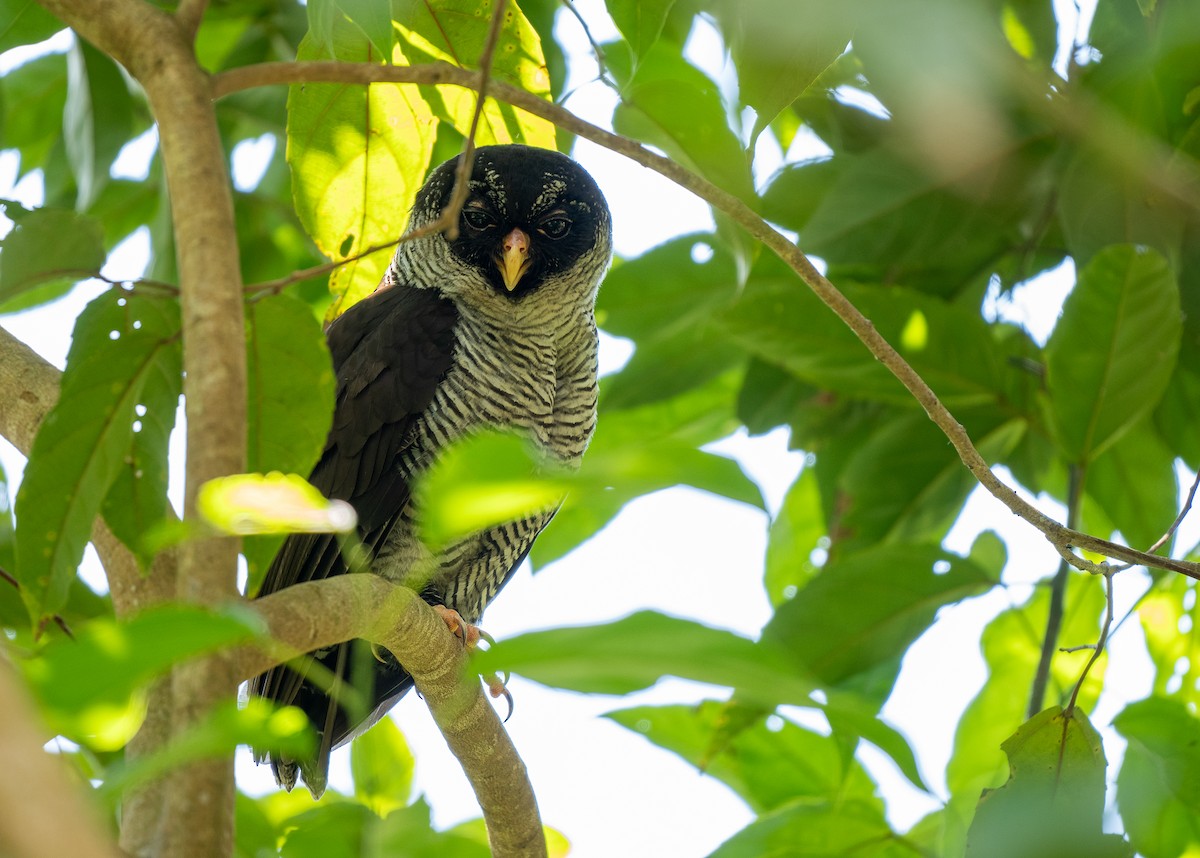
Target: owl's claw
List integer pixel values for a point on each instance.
(471, 635)
(498, 687)
(460, 628)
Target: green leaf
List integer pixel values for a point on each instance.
(796, 533)
(669, 103)
(1012, 645)
(121, 340)
(352, 829)
(768, 765)
(481, 481)
(48, 245)
(781, 321)
(98, 119)
(373, 19)
(358, 156)
(1053, 803)
(635, 652)
(23, 22)
(835, 634)
(454, 31)
(137, 500)
(382, 765)
(781, 47)
(806, 828)
(1167, 608)
(244, 504)
(83, 683)
(1134, 483)
(927, 482)
(640, 21)
(1158, 790)
(217, 735)
(290, 391)
(1113, 350)
(254, 833)
(695, 418)
(877, 217)
(33, 98)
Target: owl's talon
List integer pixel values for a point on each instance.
(498, 687)
(459, 627)
(381, 654)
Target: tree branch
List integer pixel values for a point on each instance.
(1062, 537)
(319, 614)
(156, 48)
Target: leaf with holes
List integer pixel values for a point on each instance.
(121, 340)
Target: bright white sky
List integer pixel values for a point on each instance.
(678, 551)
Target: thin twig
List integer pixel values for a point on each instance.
(274, 287)
(1099, 649)
(466, 161)
(1187, 507)
(1057, 534)
(596, 49)
(1058, 589)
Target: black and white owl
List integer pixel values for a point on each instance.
(493, 329)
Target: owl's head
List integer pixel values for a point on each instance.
(534, 221)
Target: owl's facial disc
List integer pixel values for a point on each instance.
(513, 258)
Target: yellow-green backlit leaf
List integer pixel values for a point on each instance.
(272, 503)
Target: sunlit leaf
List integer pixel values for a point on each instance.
(121, 340)
(1112, 352)
(482, 481)
(454, 31)
(1053, 802)
(81, 683)
(271, 503)
(637, 651)
(358, 156)
(216, 735)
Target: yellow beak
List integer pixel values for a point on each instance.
(513, 262)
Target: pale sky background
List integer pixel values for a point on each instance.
(680, 551)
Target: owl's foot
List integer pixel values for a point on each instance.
(459, 627)
(470, 635)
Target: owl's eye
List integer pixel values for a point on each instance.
(555, 226)
(478, 219)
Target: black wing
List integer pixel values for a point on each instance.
(390, 351)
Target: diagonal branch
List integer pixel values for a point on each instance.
(1063, 538)
(318, 614)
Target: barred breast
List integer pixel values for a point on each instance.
(538, 378)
